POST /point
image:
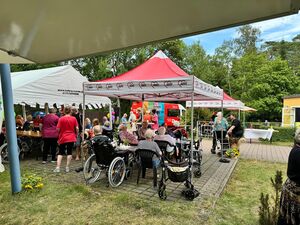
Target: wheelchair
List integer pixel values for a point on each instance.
(105, 158)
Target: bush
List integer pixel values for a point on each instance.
(269, 210)
(285, 134)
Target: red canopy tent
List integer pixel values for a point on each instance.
(157, 79)
(158, 66)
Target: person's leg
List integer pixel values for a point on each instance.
(69, 155)
(78, 152)
(62, 148)
(53, 147)
(46, 149)
(213, 148)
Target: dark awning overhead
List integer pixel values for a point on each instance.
(49, 31)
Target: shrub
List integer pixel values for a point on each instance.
(269, 210)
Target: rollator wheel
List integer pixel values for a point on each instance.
(91, 170)
(162, 192)
(197, 173)
(116, 172)
(189, 195)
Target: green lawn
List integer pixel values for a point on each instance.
(240, 200)
(63, 203)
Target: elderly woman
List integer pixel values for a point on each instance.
(220, 125)
(290, 196)
(162, 136)
(126, 136)
(151, 145)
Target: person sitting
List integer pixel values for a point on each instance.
(142, 130)
(151, 145)
(95, 122)
(87, 123)
(107, 130)
(162, 136)
(28, 125)
(125, 136)
(19, 122)
(290, 195)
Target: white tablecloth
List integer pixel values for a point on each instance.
(258, 133)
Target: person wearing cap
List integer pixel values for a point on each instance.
(290, 195)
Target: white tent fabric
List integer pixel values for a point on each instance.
(57, 85)
(177, 89)
(42, 31)
(236, 104)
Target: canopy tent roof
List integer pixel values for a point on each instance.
(228, 102)
(57, 85)
(47, 32)
(157, 79)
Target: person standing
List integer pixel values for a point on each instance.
(78, 117)
(67, 133)
(236, 131)
(290, 196)
(220, 125)
(154, 120)
(49, 134)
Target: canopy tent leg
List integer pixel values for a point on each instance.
(24, 112)
(110, 116)
(83, 127)
(143, 99)
(223, 160)
(192, 133)
(10, 124)
(239, 114)
(185, 115)
(46, 108)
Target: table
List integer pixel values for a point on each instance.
(30, 141)
(32, 134)
(258, 133)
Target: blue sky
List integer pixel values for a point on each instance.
(284, 28)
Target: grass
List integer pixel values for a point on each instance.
(240, 200)
(60, 203)
(69, 203)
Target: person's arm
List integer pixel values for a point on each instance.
(157, 149)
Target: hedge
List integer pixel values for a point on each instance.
(285, 134)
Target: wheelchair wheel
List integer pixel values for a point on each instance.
(4, 153)
(116, 172)
(91, 170)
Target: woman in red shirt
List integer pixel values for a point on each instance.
(67, 132)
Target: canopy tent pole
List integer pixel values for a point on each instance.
(223, 160)
(192, 132)
(239, 113)
(24, 112)
(46, 108)
(10, 125)
(110, 116)
(185, 114)
(83, 127)
(143, 99)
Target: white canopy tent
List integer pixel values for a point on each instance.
(57, 85)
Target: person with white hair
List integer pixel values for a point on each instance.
(290, 195)
(151, 145)
(162, 136)
(220, 125)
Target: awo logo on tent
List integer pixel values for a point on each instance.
(69, 92)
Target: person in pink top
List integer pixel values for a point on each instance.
(154, 120)
(49, 134)
(67, 133)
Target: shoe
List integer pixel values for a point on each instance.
(67, 169)
(53, 161)
(56, 170)
(44, 162)
(213, 151)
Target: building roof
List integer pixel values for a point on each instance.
(292, 96)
